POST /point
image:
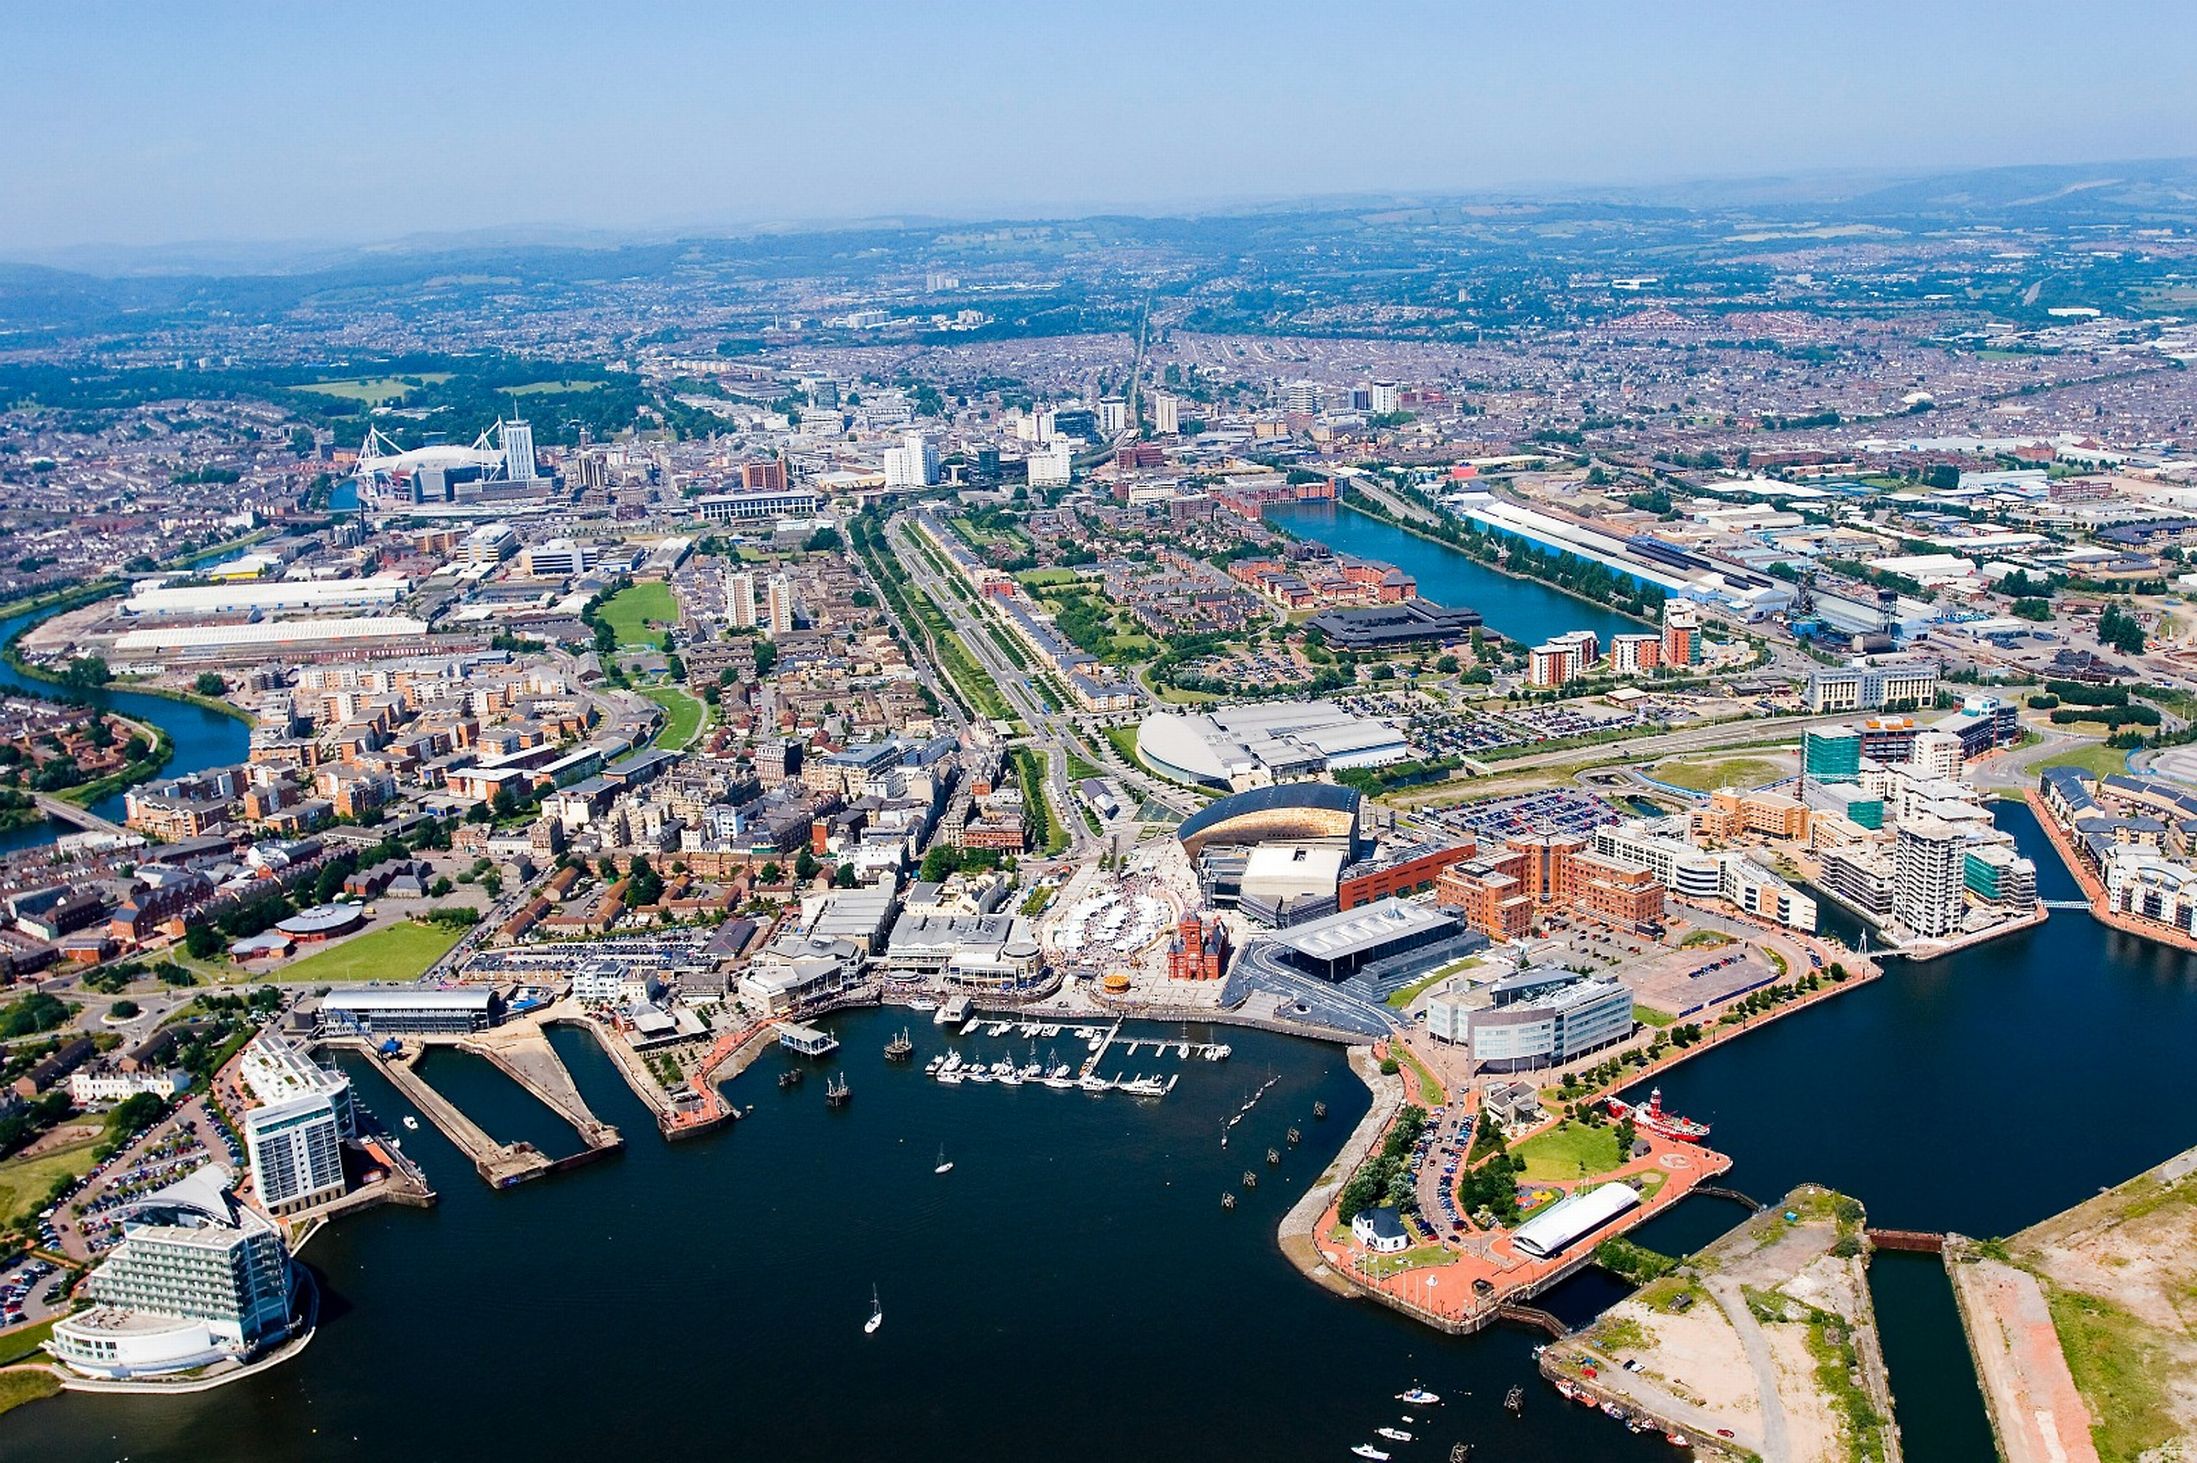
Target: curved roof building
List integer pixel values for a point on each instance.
(1301, 812)
(1266, 741)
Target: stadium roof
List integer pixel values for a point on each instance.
(1324, 796)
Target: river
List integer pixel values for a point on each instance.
(202, 738)
(1523, 609)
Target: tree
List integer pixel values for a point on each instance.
(201, 941)
(804, 866)
(210, 683)
(124, 1010)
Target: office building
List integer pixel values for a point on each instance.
(1545, 1016)
(1929, 877)
(518, 450)
(1301, 396)
(374, 1012)
(1872, 688)
(740, 600)
(1936, 754)
(759, 507)
(559, 558)
(196, 1279)
(491, 543)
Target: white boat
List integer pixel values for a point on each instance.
(411, 1124)
(999, 1028)
(931, 1067)
(1061, 1080)
(945, 1164)
(1367, 1450)
(877, 1314)
(974, 1023)
(951, 1077)
(1394, 1434)
(1419, 1395)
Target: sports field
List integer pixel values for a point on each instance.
(394, 952)
(640, 612)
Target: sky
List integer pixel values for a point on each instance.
(156, 123)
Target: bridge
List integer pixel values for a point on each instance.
(1916, 1241)
(1717, 1191)
(63, 811)
(2063, 904)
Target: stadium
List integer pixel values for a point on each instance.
(434, 473)
(1238, 747)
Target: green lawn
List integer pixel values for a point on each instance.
(25, 1181)
(639, 613)
(683, 715)
(539, 388)
(1649, 1016)
(374, 389)
(1403, 998)
(1558, 1154)
(2098, 759)
(1706, 776)
(23, 1345)
(393, 952)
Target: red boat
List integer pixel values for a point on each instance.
(1655, 1120)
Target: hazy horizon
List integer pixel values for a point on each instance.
(134, 126)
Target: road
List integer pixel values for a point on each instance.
(1663, 744)
(1776, 1442)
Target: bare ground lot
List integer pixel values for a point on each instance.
(2094, 1309)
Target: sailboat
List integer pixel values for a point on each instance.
(945, 1164)
(877, 1314)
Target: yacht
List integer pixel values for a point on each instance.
(945, 1164)
(411, 1124)
(1394, 1434)
(1367, 1450)
(877, 1314)
(1419, 1395)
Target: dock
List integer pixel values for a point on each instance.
(500, 1164)
(809, 1041)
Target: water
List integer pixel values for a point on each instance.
(1073, 1290)
(1523, 609)
(1076, 1267)
(202, 738)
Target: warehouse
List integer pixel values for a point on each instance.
(1374, 935)
(376, 592)
(1571, 1219)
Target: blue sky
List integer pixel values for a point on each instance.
(144, 123)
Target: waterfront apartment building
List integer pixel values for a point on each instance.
(1545, 1016)
(1731, 813)
(1681, 633)
(1562, 659)
(1998, 875)
(1871, 687)
(1635, 655)
(1692, 872)
(294, 1136)
(196, 1279)
(1928, 882)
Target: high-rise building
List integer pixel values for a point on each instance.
(518, 450)
(1385, 398)
(1051, 468)
(1929, 876)
(1166, 414)
(740, 600)
(1681, 633)
(294, 1136)
(1301, 396)
(1632, 655)
(780, 609)
(1113, 415)
(196, 1279)
(1936, 754)
(913, 464)
(764, 475)
(1564, 658)
(1830, 754)
(1870, 688)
